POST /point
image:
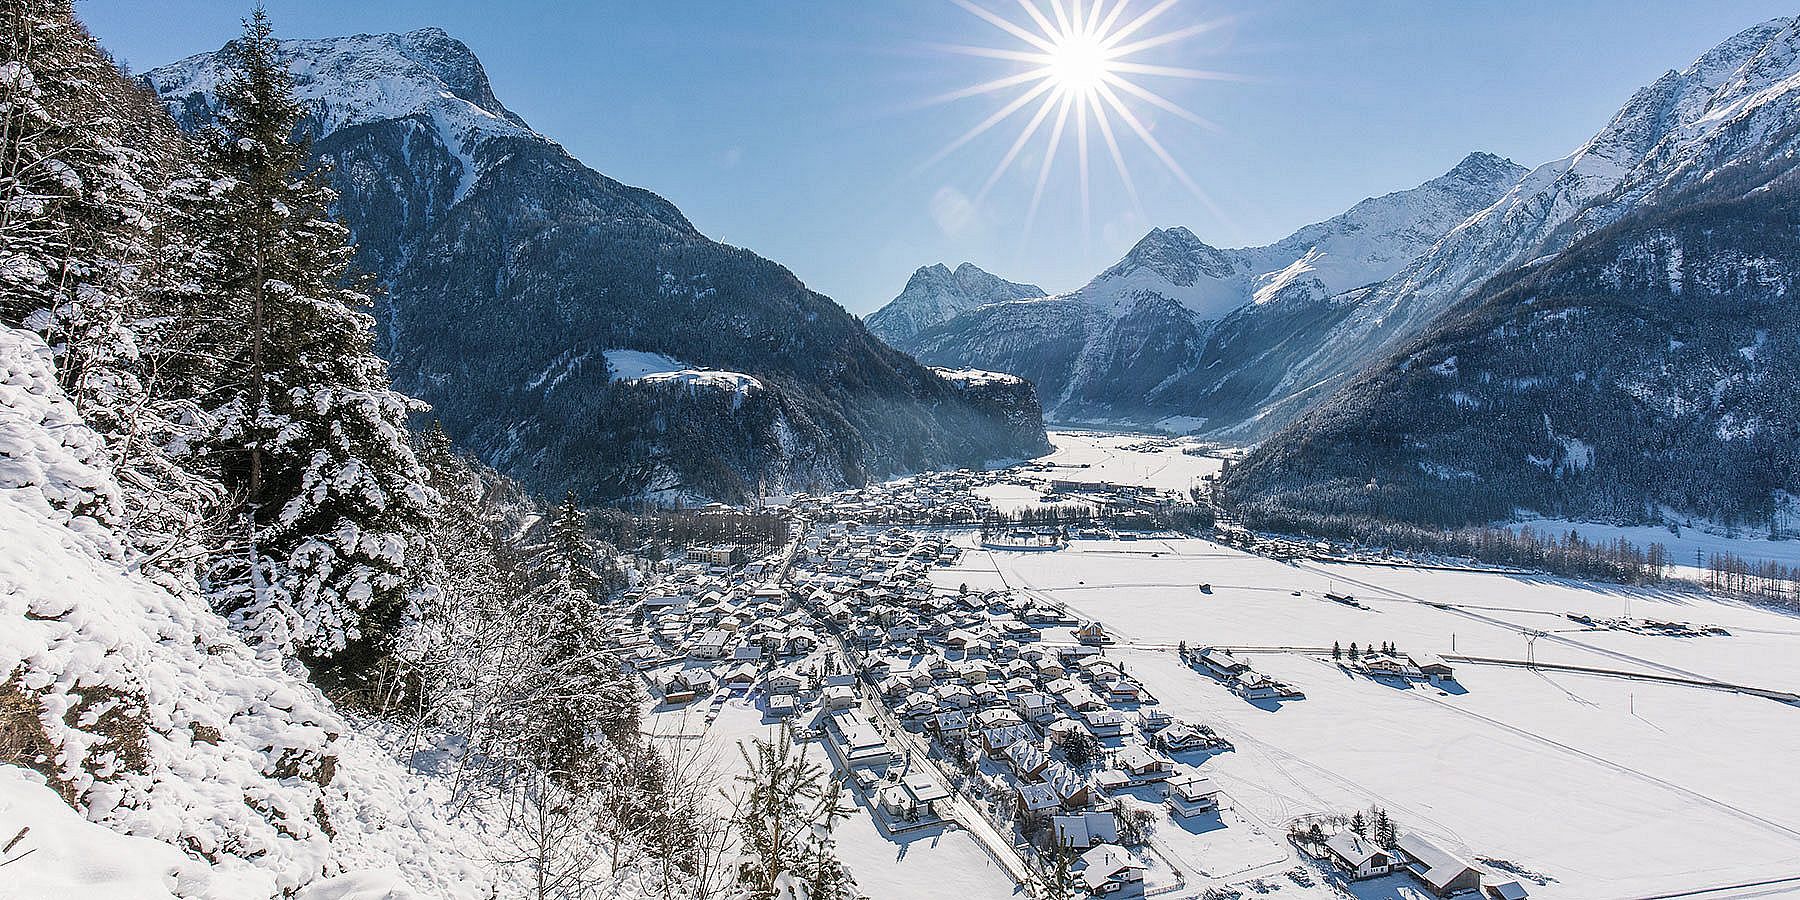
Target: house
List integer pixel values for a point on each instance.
(1108, 869)
(1037, 798)
(1093, 634)
(1192, 794)
(840, 696)
(1143, 764)
(784, 682)
(1154, 719)
(1433, 667)
(1357, 856)
(859, 742)
(1381, 665)
(1439, 870)
(1124, 690)
(1509, 889)
(681, 687)
(1257, 686)
(710, 644)
(1179, 737)
(740, 677)
(1104, 722)
(1222, 664)
(1082, 830)
(1034, 706)
(782, 706)
(925, 792)
(1028, 760)
(994, 741)
(1070, 787)
(951, 726)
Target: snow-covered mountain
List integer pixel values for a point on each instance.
(1735, 108)
(1633, 359)
(936, 294)
(512, 271)
(1121, 346)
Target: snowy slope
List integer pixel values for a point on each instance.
(370, 78)
(1736, 106)
(935, 294)
(152, 717)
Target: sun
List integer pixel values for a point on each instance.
(1077, 69)
(1078, 63)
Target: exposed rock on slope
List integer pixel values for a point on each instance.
(935, 294)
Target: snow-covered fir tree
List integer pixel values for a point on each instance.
(335, 502)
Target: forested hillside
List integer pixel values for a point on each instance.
(248, 618)
(1647, 374)
(510, 271)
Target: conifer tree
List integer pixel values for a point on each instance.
(313, 433)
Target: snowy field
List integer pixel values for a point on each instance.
(1601, 786)
(1612, 786)
(1104, 456)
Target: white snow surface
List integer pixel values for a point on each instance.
(975, 377)
(656, 368)
(165, 725)
(366, 78)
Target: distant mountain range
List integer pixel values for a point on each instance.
(1637, 356)
(935, 295)
(512, 271)
(1607, 335)
(1191, 337)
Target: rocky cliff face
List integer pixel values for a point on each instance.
(511, 270)
(936, 294)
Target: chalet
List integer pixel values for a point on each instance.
(709, 645)
(1037, 798)
(1357, 856)
(1381, 665)
(1433, 667)
(749, 651)
(1222, 664)
(740, 677)
(1093, 634)
(1508, 889)
(1442, 872)
(840, 696)
(1257, 686)
(1034, 706)
(996, 718)
(1143, 764)
(1191, 794)
(1104, 722)
(782, 706)
(1082, 830)
(680, 687)
(1028, 760)
(1108, 869)
(1180, 737)
(951, 726)
(1154, 719)
(994, 741)
(925, 792)
(1071, 787)
(1124, 690)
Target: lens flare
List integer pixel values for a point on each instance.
(1079, 75)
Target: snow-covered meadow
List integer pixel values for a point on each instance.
(1601, 785)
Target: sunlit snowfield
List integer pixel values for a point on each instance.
(1611, 786)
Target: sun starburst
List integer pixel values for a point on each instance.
(1080, 71)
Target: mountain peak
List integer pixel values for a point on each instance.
(1482, 167)
(935, 294)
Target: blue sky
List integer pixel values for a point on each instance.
(800, 130)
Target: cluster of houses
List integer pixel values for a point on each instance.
(971, 672)
(946, 497)
(1440, 871)
(1236, 674)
